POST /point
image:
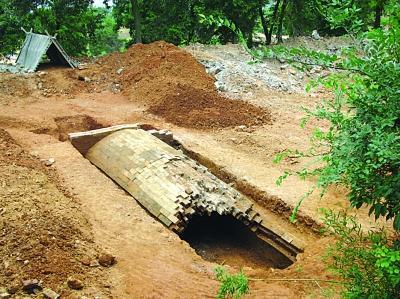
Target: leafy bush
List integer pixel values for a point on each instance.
(361, 148)
(368, 263)
(233, 286)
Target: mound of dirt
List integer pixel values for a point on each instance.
(44, 236)
(149, 72)
(201, 109)
(171, 83)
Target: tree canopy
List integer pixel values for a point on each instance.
(87, 30)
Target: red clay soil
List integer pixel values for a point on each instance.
(200, 109)
(145, 73)
(69, 124)
(43, 234)
(172, 84)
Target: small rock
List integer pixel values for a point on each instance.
(106, 260)
(188, 191)
(49, 162)
(242, 127)
(94, 263)
(41, 74)
(84, 79)
(31, 285)
(315, 35)
(119, 71)
(284, 66)
(14, 287)
(85, 261)
(74, 283)
(50, 294)
(220, 86)
(281, 60)
(317, 69)
(4, 294)
(34, 153)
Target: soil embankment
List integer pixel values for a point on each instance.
(44, 236)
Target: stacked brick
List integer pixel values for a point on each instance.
(171, 186)
(168, 184)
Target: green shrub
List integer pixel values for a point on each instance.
(361, 148)
(232, 285)
(368, 263)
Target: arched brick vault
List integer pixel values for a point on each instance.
(168, 184)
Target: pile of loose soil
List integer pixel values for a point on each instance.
(171, 83)
(149, 72)
(44, 235)
(201, 109)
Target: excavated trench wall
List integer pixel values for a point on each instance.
(171, 186)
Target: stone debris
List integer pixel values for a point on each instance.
(235, 77)
(4, 293)
(49, 162)
(31, 285)
(50, 294)
(315, 35)
(84, 79)
(74, 283)
(106, 260)
(13, 288)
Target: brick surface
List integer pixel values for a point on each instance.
(167, 183)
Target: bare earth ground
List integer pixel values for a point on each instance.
(87, 214)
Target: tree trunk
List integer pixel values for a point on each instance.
(264, 22)
(298, 18)
(138, 21)
(378, 14)
(250, 40)
(269, 37)
(280, 25)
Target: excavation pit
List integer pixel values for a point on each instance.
(68, 124)
(225, 240)
(176, 189)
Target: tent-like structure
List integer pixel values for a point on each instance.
(35, 46)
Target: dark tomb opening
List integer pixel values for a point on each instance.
(224, 239)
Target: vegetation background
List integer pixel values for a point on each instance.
(88, 30)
